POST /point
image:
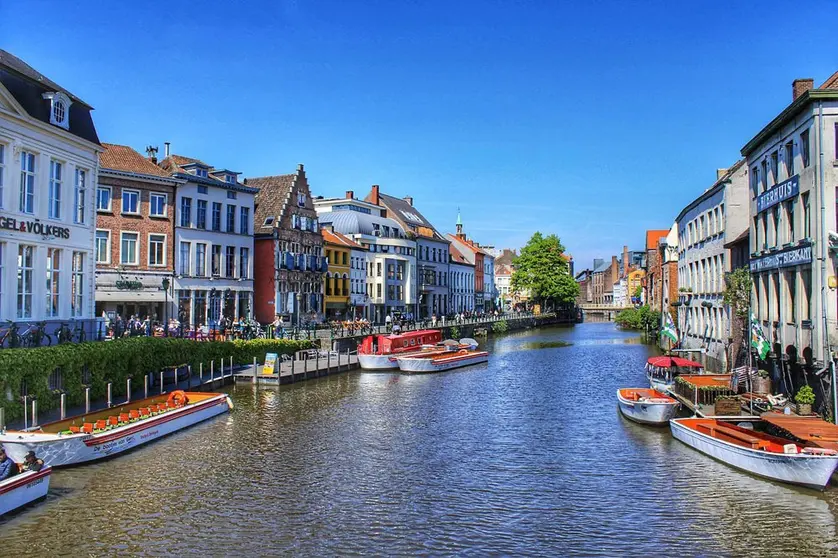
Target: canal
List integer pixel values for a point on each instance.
(524, 455)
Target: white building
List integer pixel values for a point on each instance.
(704, 227)
(213, 242)
(390, 256)
(503, 285)
(620, 293)
(793, 164)
(461, 280)
(48, 166)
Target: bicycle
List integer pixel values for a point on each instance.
(63, 334)
(35, 335)
(11, 335)
(81, 336)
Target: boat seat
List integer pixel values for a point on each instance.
(113, 421)
(753, 441)
(87, 428)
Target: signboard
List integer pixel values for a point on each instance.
(34, 227)
(125, 285)
(785, 258)
(270, 364)
(781, 192)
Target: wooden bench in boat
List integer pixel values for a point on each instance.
(753, 441)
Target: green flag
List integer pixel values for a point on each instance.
(669, 329)
(758, 340)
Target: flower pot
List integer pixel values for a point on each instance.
(762, 385)
(804, 409)
(728, 407)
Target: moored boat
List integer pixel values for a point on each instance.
(380, 352)
(455, 355)
(756, 452)
(662, 371)
(646, 406)
(23, 488)
(117, 429)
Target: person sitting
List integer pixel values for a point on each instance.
(32, 463)
(8, 468)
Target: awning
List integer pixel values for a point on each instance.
(670, 361)
(131, 296)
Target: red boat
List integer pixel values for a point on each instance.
(379, 352)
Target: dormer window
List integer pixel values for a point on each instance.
(200, 172)
(230, 178)
(59, 113)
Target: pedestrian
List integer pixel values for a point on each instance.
(8, 468)
(32, 463)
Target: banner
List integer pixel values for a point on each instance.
(758, 340)
(270, 364)
(669, 329)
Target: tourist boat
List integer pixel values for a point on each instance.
(646, 406)
(662, 371)
(380, 352)
(111, 431)
(23, 488)
(454, 355)
(756, 452)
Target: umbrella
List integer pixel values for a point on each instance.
(450, 343)
(468, 341)
(670, 361)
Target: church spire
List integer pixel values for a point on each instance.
(459, 223)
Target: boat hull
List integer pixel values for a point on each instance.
(377, 362)
(428, 365)
(656, 414)
(800, 469)
(23, 489)
(64, 450)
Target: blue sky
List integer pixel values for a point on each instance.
(592, 120)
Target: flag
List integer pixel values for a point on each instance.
(669, 329)
(758, 340)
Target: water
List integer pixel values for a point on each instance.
(524, 455)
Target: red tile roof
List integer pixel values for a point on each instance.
(173, 163)
(652, 238)
(123, 158)
(831, 83)
(339, 239)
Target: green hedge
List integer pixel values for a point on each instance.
(115, 361)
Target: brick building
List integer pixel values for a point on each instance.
(135, 237)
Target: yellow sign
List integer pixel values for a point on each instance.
(270, 364)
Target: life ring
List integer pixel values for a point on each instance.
(178, 398)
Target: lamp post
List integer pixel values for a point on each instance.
(166, 306)
(299, 309)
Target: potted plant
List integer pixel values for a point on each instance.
(804, 399)
(762, 382)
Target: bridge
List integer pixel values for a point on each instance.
(608, 311)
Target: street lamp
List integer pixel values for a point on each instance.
(166, 307)
(299, 308)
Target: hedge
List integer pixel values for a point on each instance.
(115, 361)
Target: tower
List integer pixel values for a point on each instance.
(459, 224)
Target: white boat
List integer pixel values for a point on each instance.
(23, 488)
(380, 352)
(756, 452)
(662, 371)
(646, 406)
(439, 361)
(111, 431)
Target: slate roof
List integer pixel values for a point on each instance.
(28, 86)
(457, 257)
(123, 158)
(653, 237)
(173, 164)
(605, 266)
(354, 222)
(408, 215)
(339, 239)
(273, 193)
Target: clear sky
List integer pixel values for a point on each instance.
(592, 120)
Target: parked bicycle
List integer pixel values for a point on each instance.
(36, 335)
(11, 336)
(63, 334)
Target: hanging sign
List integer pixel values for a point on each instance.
(781, 192)
(787, 258)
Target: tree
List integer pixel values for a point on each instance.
(542, 269)
(737, 296)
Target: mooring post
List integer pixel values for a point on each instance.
(222, 368)
(128, 390)
(255, 369)
(305, 367)
(329, 361)
(347, 359)
(63, 406)
(201, 373)
(145, 386)
(293, 360)
(86, 400)
(161, 382)
(34, 412)
(2, 420)
(110, 387)
(189, 375)
(695, 401)
(231, 365)
(212, 370)
(25, 412)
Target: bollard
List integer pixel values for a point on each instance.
(63, 406)
(109, 395)
(34, 412)
(161, 382)
(212, 370)
(305, 367)
(329, 362)
(293, 360)
(128, 390)
(25, 413)
(222, 368)
(231, 366)
(255, 369)
(145, 386)
(2, 420)
(201, 373)
(348, 359)
(86, 400)
(189, 375)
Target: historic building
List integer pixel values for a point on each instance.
(503, 285)
(390, 253)
(336, 283)
(476, 255)
(135, 235)
(289, 250)
(431, 252)
(704, 226)
(793, 164)
(213, 242)
(48, 166)
(586, 292)
(462, 281)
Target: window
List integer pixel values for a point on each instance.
(344, 258)
(156, 250)
(789, 220)
(788, 159)
(130, 202)
(755, 181)
(378, 269)
(77, 286)
(128, 248)
(201, 172)
(200, 259)
(230, 179)
(791, 297)
(391, 271)
(2, 171)
(268, 221)
(231, 195)
(244, 263)
(764, 175)
(185, 255)
(378, 290)
(301, 199)
(202, 189)
(53, 291)
(216, 216)
(775, 222)
(25, 265)
(79, 196)
(27, 183)
(103, 246)
(764, 231)
(400, 271)
(775, 166)
(157, 204)
(231, 218)
(103, 198)
(806, 283)
(244, 220)
(216, 260)
(230, 262)
(55, 178)
(804, 148)
(201, 215)
(185, 212)
(806, 217)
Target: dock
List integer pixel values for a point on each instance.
(304, 365)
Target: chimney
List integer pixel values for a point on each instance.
(626, 261)
(350, 195)
(300, 168)
(615, 270)
(374, 198)
(720, 173)
(152, 154)
(166, 151)
(409, 199)
(801, 86)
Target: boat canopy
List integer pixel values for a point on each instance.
(670, 361)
